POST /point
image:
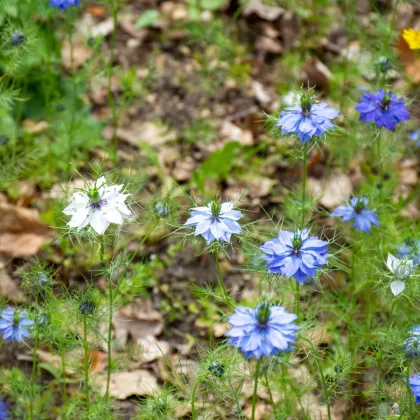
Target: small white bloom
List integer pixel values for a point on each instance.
(98, 206)
(402, 269)
(397, 286)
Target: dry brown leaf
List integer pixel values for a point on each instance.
(81, 54)
(264, 11)
(139, 320)
(21, 232)
(9, 288)
(125, 384)
(409, 59)
(152, 349)
(317, 73)
(231, 132)
(408, 172)
(331, 192)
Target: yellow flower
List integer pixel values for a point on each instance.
(412, 38)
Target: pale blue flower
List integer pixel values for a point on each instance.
(14, 325)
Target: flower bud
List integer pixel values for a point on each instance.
(18, 38)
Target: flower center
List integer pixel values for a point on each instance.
(297, 242)
(216, 208)
(359, 206)
(306, 104)
(16, 319)
(386, 100)
(263, 314)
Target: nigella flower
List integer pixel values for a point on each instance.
(4, 412)
(383, 108)
(402, 270)
(307, 119)
(98, 206)
(414, 383)
(411, 250)
(411, 346)
(18, 38)
(64, 4)
(215, 221)
(14, 325)
(265, 330)
(357, 211)
(295, 254)
(415, 135)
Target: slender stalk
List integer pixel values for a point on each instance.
(297, 298)
(154, 226)
(33, 376)
(379, 153)
(254, 395)
(238, 403)
(270, 393)
(109, 340)
(63, 375)
(220, 275)
(304, 175)
(193, 399)
(86, 363)
(407, 378)
(322, 376)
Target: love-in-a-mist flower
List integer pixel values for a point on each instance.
(263, 331)
(98, 206)
(216, 221)
(64, 4)
(357, 211)
(308, 119)
(17, 38)
(414, 383)
(14, 325)
(383, 108)
(402, 270)
(410, 250)
(412, 37)
(4, 412)
(411, 345)
(295, 254)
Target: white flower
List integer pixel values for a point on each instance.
(98, 206)
(402, 270)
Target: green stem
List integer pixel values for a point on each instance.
(142, 242)
(297, 298)
(238, 403)
(407, 378)
(321, 374)
(220, 275)
(73, 105)
(270, 393)
(109, 341)
(33, 376)
(101, 249)
(193, 399)
(86, 363)
(63, 375)
(379, 152)
(254, 395)
(304, 175)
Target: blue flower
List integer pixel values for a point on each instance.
(307, 119)
(295, 254)
(215, 221)
(14, 325)
(383, 108)
(64, 4)
(357, 211)
(414, 383)
(411, 250)
(265, 330)
(4, 413)
(415, 135)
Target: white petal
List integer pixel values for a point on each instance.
(79, 218)
(112, 215)
(397, 286)
(392, 263)
(99, 223)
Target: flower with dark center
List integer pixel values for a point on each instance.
(308, 119)
(98, 206)
(357, 211)
(414, 383)
(410, 249)
(14, 325)
(411, 345)
(383, 108)
(216, 221)
(18, 38)
(295, 254)
(87, 307)
(263, 331)
(217, 369)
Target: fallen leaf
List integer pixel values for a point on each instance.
(34, 127)
(96, 10)
(409, 59)
(408, 172)
(231, 132)
(21, 232)
(332, 191)
(81, 54)
(152, 349)
(317, 73)
(139, 320)
(264, 11)
(8, 287)
(125, 384)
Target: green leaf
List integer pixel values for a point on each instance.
(149, 17)
(212, 4)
